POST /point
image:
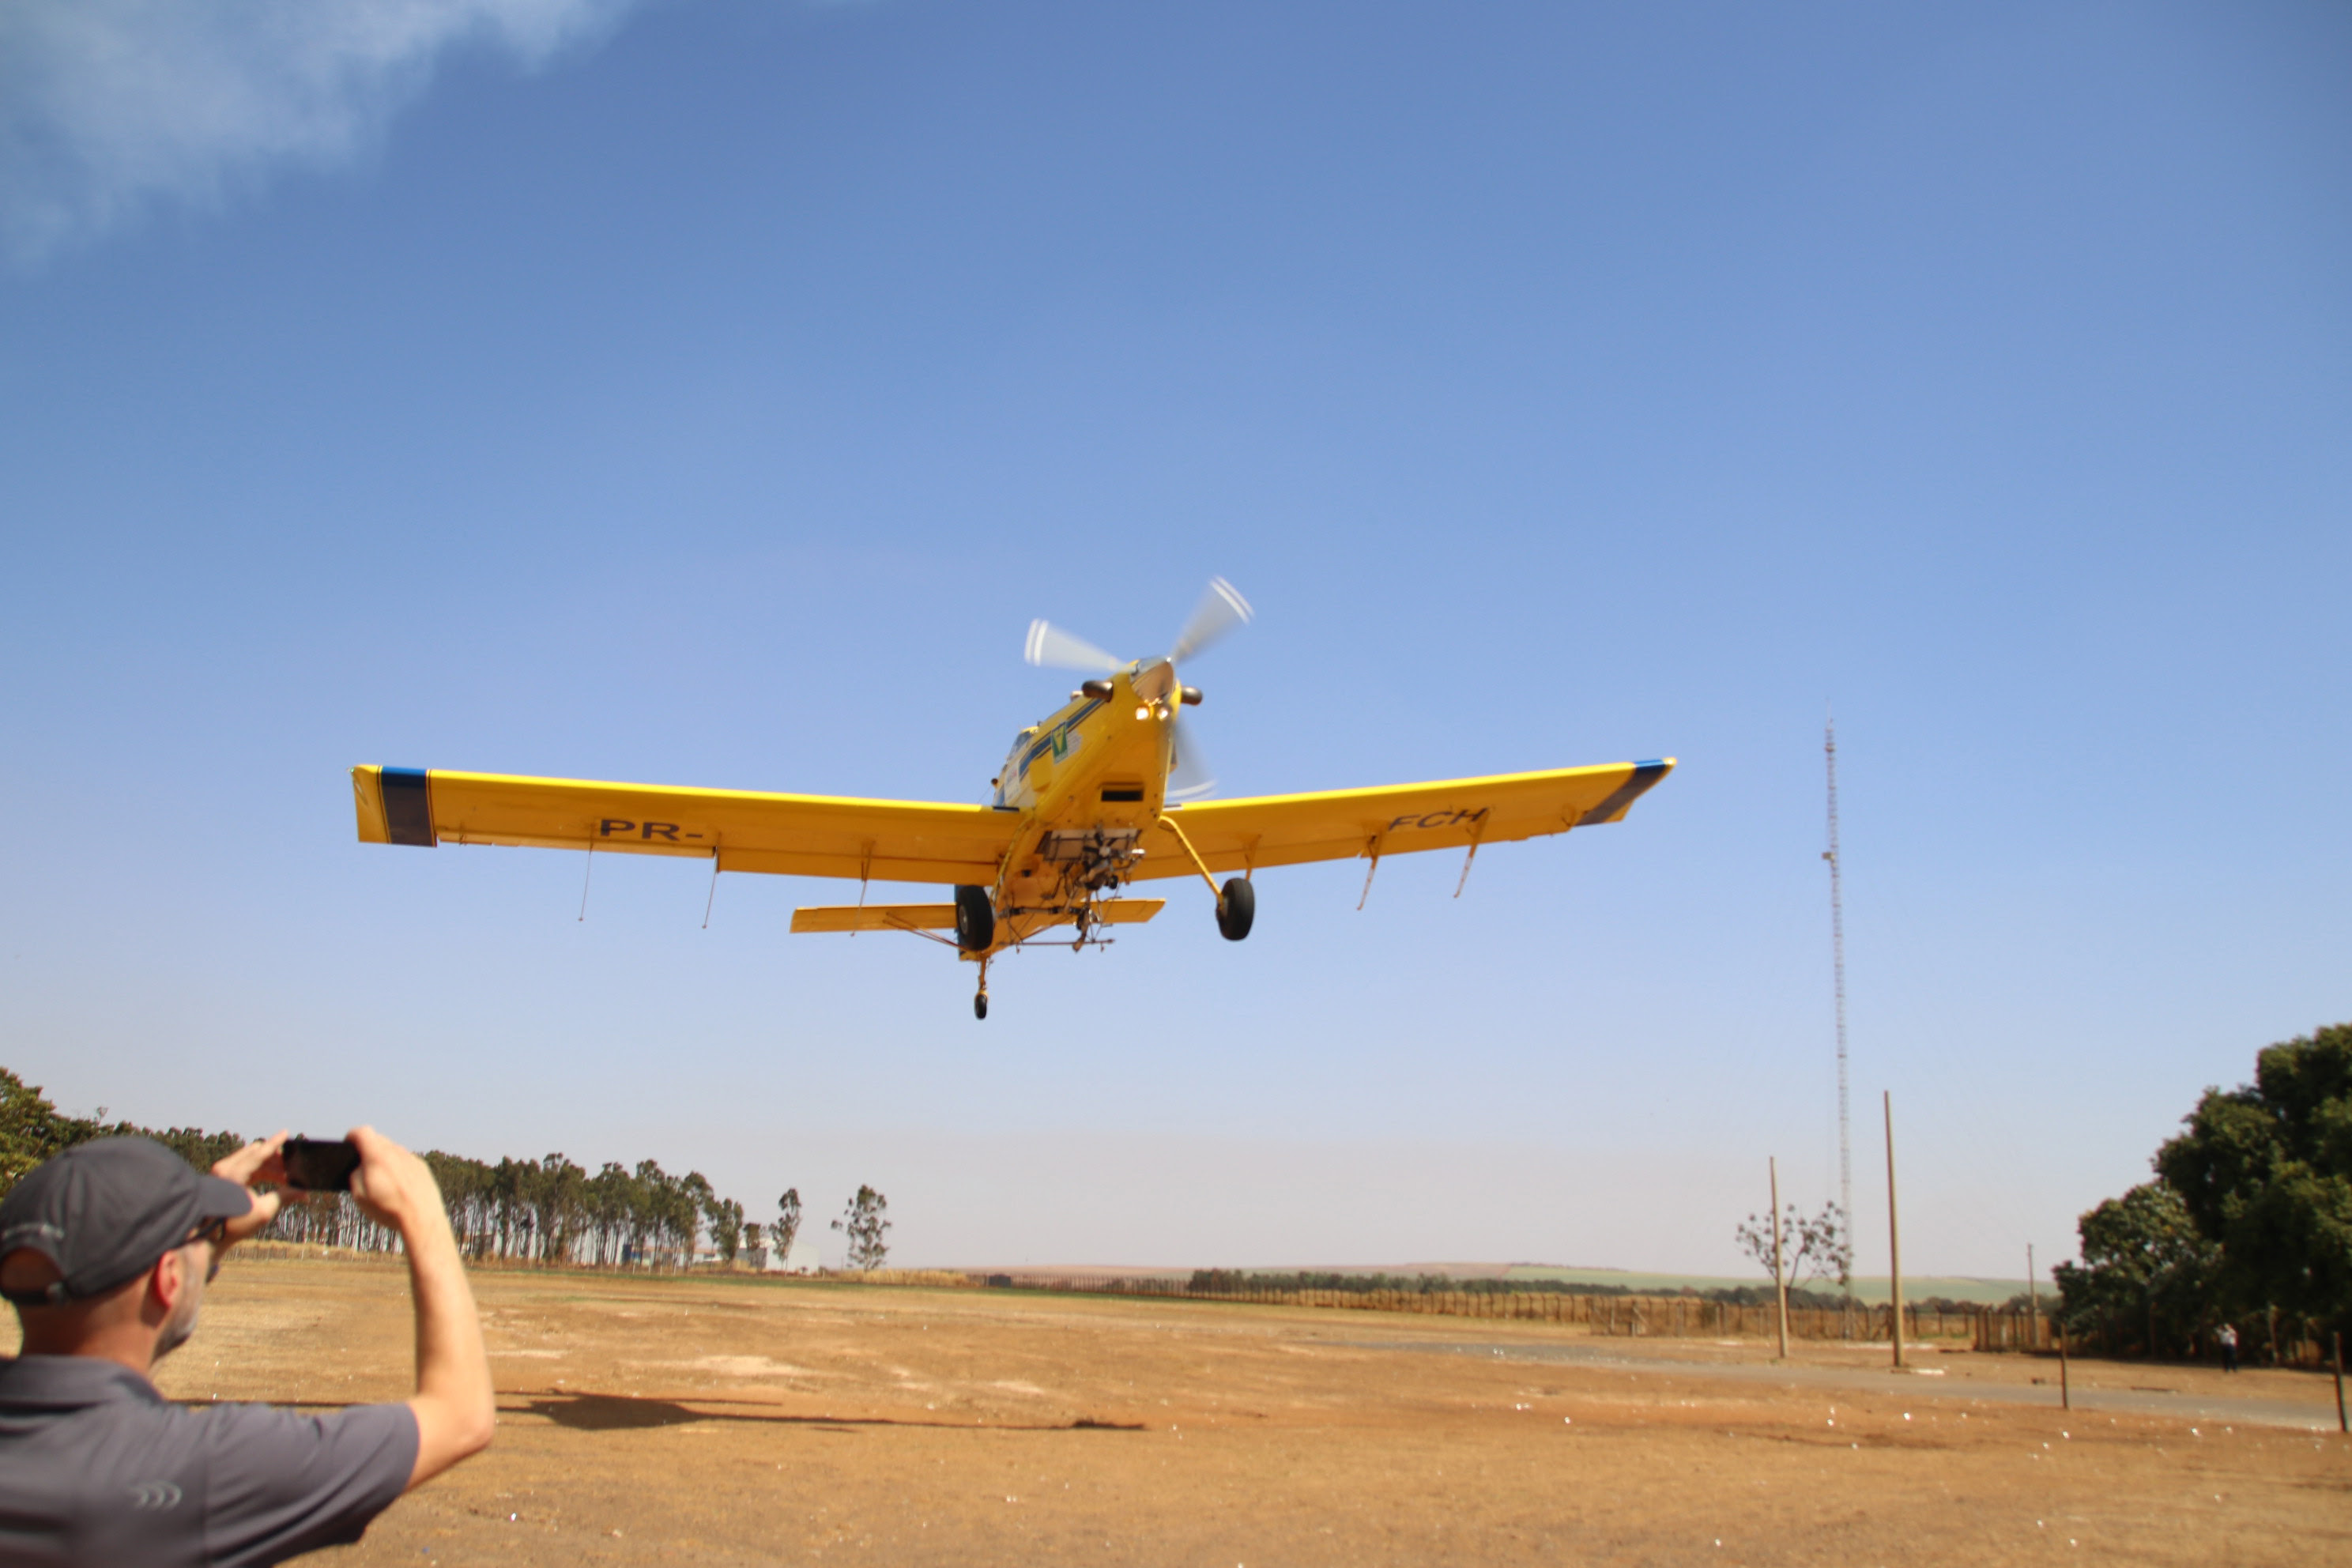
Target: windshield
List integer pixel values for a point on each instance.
(1009, 789)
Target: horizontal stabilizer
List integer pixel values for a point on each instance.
(1128, 911)
(941, 917)
(875, 917)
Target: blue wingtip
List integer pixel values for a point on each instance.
(1643, 776)
(408, 806)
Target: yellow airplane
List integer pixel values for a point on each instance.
(1095, 797)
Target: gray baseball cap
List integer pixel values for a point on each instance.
(103, 1212)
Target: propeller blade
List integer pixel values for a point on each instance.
(1054, 649)
(1191, 777)
(1221, 610)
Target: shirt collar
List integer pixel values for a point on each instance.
(70, 1382)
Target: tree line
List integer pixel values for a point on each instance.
(548, 1210)
(1236, 1281)
(2248, 1221)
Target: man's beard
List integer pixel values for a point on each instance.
(182, 1321)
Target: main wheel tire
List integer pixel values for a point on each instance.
(1236, 909)
(975, 926)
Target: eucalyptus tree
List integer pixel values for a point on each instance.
(726, 1218)
(694, 1199)
(785, 1228)
(865, 1225)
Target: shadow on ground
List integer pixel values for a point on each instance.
(635, 1413)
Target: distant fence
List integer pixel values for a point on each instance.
(2015, 1329)
(1651, 1317)
(2266, 1341)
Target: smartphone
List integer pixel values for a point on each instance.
(320, 1164)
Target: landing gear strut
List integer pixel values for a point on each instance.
(1237, 900)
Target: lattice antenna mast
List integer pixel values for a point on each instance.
(1837, 968)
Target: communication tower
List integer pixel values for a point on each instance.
(1837, 967)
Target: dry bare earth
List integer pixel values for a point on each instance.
(726, 1421)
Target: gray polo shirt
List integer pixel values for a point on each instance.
(98, 1467)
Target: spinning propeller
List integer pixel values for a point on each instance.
(1221, 610)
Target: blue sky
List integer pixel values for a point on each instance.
(710, 391)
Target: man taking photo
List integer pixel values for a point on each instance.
(105, 1252)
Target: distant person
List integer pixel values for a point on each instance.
(2228, 1340)
(105, 1252)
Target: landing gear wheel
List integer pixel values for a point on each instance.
(979, 1006)
(1237, 909)
(975, 920)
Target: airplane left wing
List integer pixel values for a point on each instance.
(1397, 819)
(794, 834)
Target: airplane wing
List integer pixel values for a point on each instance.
(1451, 814)
(795, 835)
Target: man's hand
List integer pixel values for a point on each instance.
(392, 1187)
(257, 1162)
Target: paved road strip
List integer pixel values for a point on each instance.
(2186, 1407)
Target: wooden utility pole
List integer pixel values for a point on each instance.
(1893, 1235)
(2341, 1424)
(2032, 1304)
(1780, 1277)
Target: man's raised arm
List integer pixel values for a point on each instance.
(456, 1411)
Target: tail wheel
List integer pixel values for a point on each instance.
(975, 926)
(1237, 909)
(979, 1006)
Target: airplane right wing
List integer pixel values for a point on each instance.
(1396, 819)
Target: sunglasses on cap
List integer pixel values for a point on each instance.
(215, 1231)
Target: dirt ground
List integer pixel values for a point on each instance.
(753, 1421)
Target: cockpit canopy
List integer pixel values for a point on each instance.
(1012, 789)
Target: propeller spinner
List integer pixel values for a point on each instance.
(1221, 608)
